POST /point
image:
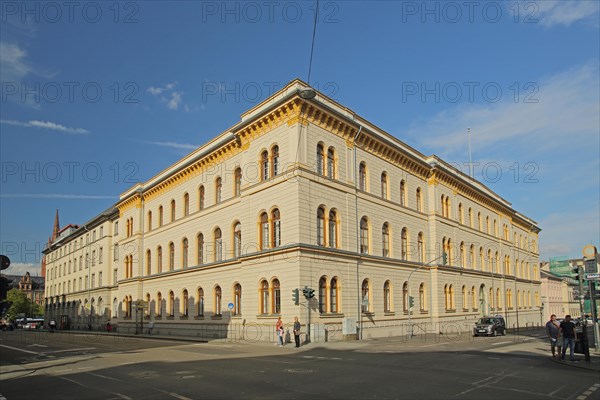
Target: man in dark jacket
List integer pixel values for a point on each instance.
(567, 331)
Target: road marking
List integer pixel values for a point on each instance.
(23, 350)
(73, 381)
(496, 379)
(104, 376)
(37, 345)
(177, 396)
(63, 370)
(494, 344)
(67, 350)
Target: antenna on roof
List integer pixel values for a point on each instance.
(310, 93)
(470, 160)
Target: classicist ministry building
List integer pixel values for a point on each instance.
(301, 192)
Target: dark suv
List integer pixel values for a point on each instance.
(487, 326)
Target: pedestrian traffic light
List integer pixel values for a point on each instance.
(296, 296)
(577, 271)
(311, 293)
(411, 301)
(444, 258)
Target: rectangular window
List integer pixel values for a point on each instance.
(101, 232)
(116, 253)
(115, 276)
(93, 279)
(99, 278)
(100, 252)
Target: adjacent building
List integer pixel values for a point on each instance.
(302, 192)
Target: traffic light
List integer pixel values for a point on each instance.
(305, 292)
(311, 293)
(577, 271)
(444, 258)
(296, 296)
(411, 301)
(4, 262)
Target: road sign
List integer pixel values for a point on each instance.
(592, 277)
(591, 266)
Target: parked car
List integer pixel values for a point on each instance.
(490, 326)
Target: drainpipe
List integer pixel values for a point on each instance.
(358, 287)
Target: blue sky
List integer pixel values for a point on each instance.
(99, 95)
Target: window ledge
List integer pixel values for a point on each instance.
(368, 313)
(423, 312)
(216, 317)
(199, 317)
(331, 315)
(267, 316)
(389, 313)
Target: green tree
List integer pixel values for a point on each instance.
(21, 305)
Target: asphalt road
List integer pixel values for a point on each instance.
(79, 366)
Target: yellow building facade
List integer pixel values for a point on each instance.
(303, 192)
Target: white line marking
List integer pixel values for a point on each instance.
(104, 376)
(67, 350)
(71, 380)
(177, 396)
(494, 344)
(23, 350)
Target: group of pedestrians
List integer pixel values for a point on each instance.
(561, 335)
(280, 331)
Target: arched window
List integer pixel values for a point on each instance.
(479, 221)
(160, 216)
(171, 256)
(264, 165)
(403, 192)
(422, 297)
(276, 225)
(200, 305)
(159, 260)
(275, 160)
(218, 187)
(385, 239)
(419, 201)
(474, 305)
(461, 218)
(185, 305)
(333, 237)
(421, 247)
(218, 298)
(237, 240)
(465, 301)
(365, 303)
(470, 217)
(264, 231)
(218, 243)
(384, 186)
(473, 260)
(463, 258)
(264, 297)
(159, 304)
(173, 208)
(323, 295)
(404, 244)
(184, 255)
(362, 176)
(331, 163)
(200, 253)
(149, 220)
(186, 205)
(201, 198)
(171, 304)
(334, 306)
(320, 227)
(387, 297)
(237, 299)
(364, 236)
(148, 262)
(320, 160)
(276, 296)
(238, 182)
(498, 300)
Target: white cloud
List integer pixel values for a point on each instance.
(565, 233)
(566, 13)
(13, 64)
(175, 145)
(22, 268)
(56, 196)
(167, 95)
(567, 102)
(173, 103)
(46, 125)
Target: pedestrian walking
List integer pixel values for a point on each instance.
(280, 331)
(567, 331)
(553, 331)
(297, 327)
